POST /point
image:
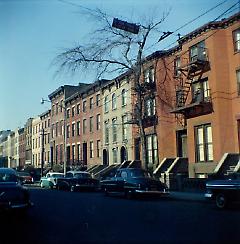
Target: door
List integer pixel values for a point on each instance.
(182, 143)
(84, 153)
(123, 154)
(105, 157)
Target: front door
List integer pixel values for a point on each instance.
(182, 143)
(84, 153)
(105, 157)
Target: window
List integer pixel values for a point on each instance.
(48, 122)
(91, 103)
(84, 126)
(149, 75)
(124, 97)
(61, 153)
(106, 132)
(198, 52)
(114, 154)
(238, 81)
(124, 127)
(53, 109)
(98, 148)
(56, 129)
(57, 108)
(150, 106)
(33, 143)
(204, 145)
(78, 128)
(98, 120)
(78, 108)
(73, 111)
(61, 105)
(177, 64)
(114, 101)
(200, 91)
(98, 100)
(68, 131)
(236, 40)
(73, 130)
(114, 130)
(68, 113)
(91, 149)
(56, 154)
(78, 152)
(84, 106)
(91, 124)
(52, 130)
(152, 149)
(106, 104)
(73, 153)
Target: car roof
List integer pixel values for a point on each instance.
(8, 171)
(78, 172)
(54, 173)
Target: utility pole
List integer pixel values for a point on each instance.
(42, 152)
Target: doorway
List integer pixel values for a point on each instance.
(182, 143)
(105, 157)
(123, 154)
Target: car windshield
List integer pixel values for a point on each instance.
(82, 175)
(8, 177)
(139, 173)
(23, 174)
(57, 175)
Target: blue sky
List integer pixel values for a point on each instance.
(33, 32)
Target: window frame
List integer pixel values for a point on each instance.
(236, 41)
(203, 146)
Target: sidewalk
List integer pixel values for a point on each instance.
(188, 196)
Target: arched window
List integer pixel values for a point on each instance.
(106, 101)
(114, 101)
(124, 97)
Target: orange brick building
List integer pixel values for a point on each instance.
(198, 88)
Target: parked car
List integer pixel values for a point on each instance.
(77, 180)
(223, 192)
(25, 177)
(50, 179)
(13, 195)
(133, 181)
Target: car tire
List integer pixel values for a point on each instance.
(106, 192)
(221, 200)
(128, 194)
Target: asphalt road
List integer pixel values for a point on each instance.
(82, 217)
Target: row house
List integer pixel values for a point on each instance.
(199, 81)
(36, 142)
(58, 120)
(84, 126)
(22, 146)
(117, 144)
(3, 155)
(45, 138)
(28, 141)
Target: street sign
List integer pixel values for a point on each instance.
(123, 25)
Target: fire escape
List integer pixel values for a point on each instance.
(189, 80)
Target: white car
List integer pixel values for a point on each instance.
(49, 180)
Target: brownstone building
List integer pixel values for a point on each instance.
(22, 146)
(45, 137)
(58, 116)
(84, 126)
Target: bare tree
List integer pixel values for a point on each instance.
(112, 50)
